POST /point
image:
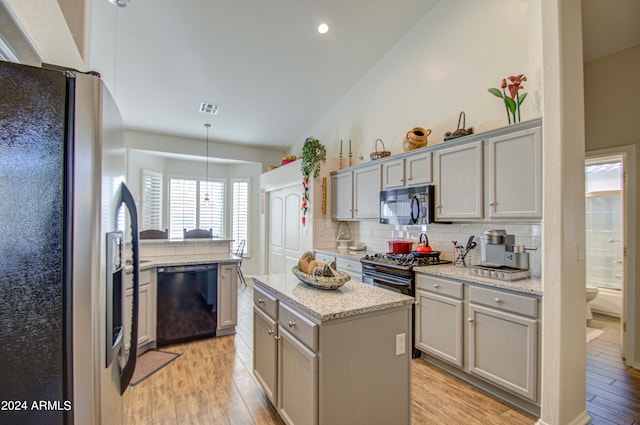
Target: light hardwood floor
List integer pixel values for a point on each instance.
(212, 383)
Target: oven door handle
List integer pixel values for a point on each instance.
(386, 278)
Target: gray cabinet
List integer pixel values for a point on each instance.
(503, 340)
(353, 267)
(265, 353)
(356, 193)
(488, 333)
(439, 319)
(410, 170)
(514, 180)
(285, 359)
(458, 174)
(147, 309)
(227, 298)
(297, 381)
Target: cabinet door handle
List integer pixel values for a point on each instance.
(498, 300)
(493, 203)
(435, 285)
(347, 265)
(470, 319)
(260, 301)
(224, 275)
(270, 331)
(277, 337)
(291, 323)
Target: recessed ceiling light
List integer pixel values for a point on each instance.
(323, 28)
(121, 3)
(209, 108)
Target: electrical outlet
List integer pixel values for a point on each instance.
(400, 344)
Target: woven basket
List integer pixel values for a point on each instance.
(379, 154)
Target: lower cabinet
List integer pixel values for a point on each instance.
(286, 368)
(297, 381)
(265, 353)
(227, 298)
(445, 340)
(498, 340)
(503, 341)
(147, 310)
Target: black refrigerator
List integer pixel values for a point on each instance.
(67, 224)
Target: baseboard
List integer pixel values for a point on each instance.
(582, 419)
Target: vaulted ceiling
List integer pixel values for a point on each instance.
(264, 62)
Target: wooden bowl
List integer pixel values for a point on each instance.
(322, 282)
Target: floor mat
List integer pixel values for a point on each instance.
(151, 362)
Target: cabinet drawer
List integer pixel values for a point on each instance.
(265, 302)
(353, 267)
(500, 300)
(325, 258)
(440, 286)
(297, 325)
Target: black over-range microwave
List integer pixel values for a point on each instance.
(409, 205)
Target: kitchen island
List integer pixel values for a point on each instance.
(333, 356)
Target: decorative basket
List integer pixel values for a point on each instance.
(460, 131)
(379, 154)
(322, 282)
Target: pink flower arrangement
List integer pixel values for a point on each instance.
(514, 99)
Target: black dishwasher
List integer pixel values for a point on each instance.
(187, 303)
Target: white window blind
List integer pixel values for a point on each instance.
(182, 206)
(212, 213)
(151, 200)
(239, 213)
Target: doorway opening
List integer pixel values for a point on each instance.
(610, 239)
(604, 185)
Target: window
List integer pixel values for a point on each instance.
(188, 208)
(212, 212)
(239, 213)
(151, 200)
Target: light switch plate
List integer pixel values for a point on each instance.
(400, 344)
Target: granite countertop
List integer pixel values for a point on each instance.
(531, 286)
(194, 241)
(184, 260)
(348, 254)
(351, 299)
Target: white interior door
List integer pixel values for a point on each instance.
(284, 228)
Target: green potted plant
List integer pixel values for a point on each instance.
(313, 152)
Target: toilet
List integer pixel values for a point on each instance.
(592, 292)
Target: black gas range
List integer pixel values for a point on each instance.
(395, 272)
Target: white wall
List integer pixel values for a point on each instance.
(443, 65)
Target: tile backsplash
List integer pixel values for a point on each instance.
(376, 235)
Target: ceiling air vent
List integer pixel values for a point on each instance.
(209, 108)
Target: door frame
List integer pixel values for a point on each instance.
(629, 291)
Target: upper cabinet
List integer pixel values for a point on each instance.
(458, 178)
(496, 175)
(498, 178)
(514, 175)
(411, 170)
(356, 193)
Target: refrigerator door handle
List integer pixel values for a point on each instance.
(126, 374)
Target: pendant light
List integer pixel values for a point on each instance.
(206, 193)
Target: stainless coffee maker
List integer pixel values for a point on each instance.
(497, 249)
